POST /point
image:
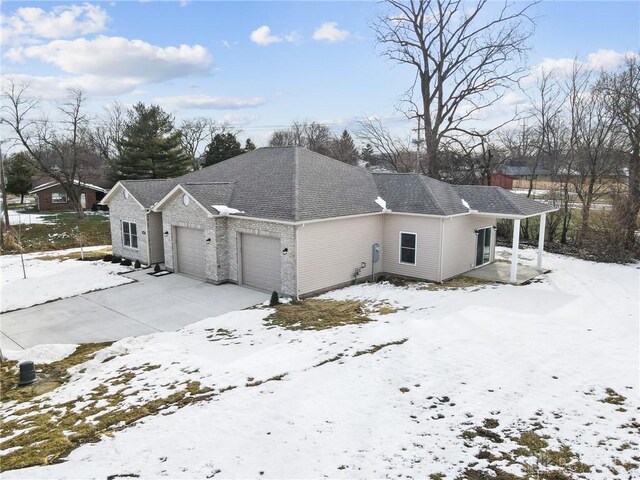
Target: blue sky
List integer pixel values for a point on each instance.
(130, 51)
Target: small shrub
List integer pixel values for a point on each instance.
(116, 259)
(137, 264)
(107, 258)
(157, 268)
(275, 300)
(125, 262)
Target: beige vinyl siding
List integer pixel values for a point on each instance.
(459, 243)
(156, 241)
(330, 251)
(427, 230)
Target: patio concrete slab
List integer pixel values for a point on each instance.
(500, 271)
(149, 305)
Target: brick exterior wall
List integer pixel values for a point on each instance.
(127, 209)
(221, 255)
(287, 235)
(45, 200)
(176, 214)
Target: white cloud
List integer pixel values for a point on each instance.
(208, 102)
(28, 23)
(605, 59)
(54, 87)
(262, 36)
(330, 32)
(562, 67)
(118, 57)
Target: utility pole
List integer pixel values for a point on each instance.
(417, 144)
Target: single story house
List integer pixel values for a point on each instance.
(51, 197)
(297, 222)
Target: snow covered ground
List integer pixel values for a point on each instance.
(536, 357)
(52, 279)
(16, 218)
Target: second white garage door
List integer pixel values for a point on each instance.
(261, 262)
(190, 252)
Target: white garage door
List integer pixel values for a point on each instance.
(261, 262)
(190, 252)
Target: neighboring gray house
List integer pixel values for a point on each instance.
(294, 221)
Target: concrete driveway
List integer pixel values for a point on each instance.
(149, 305)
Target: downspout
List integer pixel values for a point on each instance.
(441, 250)
(295, 232)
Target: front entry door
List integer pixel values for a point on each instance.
(483, 246)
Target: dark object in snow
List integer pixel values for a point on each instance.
(116, 259)
(274, 299)
(125, 262)
(137, 264)
(27, 373)
(157, 268)
(108, 257)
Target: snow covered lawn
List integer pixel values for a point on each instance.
(52, 279)
(535, 381)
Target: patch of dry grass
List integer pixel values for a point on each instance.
(42, 433)
(92, 255)
(50, 376)
(314, 314)
(457, 283)
(375, 348)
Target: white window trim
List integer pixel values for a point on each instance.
(122, 222)
(415, 256)
(66, 197)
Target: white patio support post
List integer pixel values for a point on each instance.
(543, 224)
(514, 251)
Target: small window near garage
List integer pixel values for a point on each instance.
(408, 248)
(57, 197)
(129, 234)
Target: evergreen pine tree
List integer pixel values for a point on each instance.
(249, 145)
(344, 149)
(222, 147)
(18, 174)
(367, 153)
(151, 146)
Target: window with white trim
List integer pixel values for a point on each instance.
(58, 197)
(129, 234)
(408, 245)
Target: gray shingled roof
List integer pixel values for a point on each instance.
(209, 194)
(487, 199)
(295, 184)
(149, 192)
(413, 193)
(292, 184)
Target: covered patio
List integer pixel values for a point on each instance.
(511, 271)
(498, 203)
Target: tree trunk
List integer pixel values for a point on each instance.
(634, 194)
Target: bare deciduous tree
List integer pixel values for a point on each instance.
(465, 56)
(63, 152)
(310, 135)
(197, 133)
(395, 152)
(621, 92)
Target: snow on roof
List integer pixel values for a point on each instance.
(47, 185)
(224, 210)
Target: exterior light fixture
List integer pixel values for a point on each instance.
(166, 234)
(285, 251)
(208, 241)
